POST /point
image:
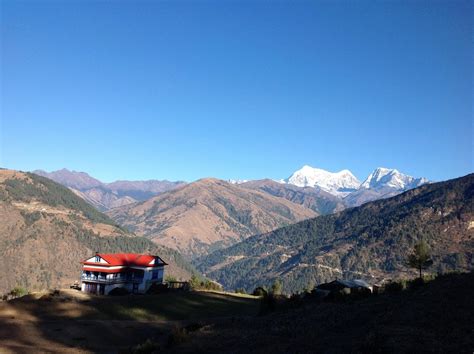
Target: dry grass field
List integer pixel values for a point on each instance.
(76, 322)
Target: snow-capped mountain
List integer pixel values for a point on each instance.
(337, 183)
(383, 183)
(382, 178)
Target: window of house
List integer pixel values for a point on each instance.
(154, 275)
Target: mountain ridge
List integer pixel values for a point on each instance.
(370, 241)
(380, 183)
(207, 214)
(105, 196)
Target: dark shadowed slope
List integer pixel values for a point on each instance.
(434, 318)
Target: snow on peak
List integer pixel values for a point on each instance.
(338, 183)
(237, 181)
(383, 177)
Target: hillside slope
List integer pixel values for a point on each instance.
(46, 230)
(371, 241)
(208, 214)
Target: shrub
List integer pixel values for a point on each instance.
(178, 335)
(197, 283)
(146, 347)
(194, 326)
(396, 286)
(260, 291)
(170, 278)
(19, 291)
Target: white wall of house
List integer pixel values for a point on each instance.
(150, 275)
(93, 260)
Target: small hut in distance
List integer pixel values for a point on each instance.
(339, 286)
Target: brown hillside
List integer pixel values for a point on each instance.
(46, 231)
(208, 214)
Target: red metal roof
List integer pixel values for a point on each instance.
(126, 259)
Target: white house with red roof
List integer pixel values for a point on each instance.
(105, 272)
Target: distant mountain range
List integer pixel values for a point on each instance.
(209, 214)
(46, 230)
(105, 196)
(315, 182)
(371, 241)
(381, 183)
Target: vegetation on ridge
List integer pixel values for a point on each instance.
(371, 241)
(51, 193)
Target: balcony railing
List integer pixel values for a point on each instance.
(104, 280)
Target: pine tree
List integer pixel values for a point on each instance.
(421, 257)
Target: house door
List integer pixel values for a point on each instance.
(135, 288)
(101, 289)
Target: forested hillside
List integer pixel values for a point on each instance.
(46, 230)
(371, 241)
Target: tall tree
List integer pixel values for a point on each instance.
(421, 257)
(276, 287)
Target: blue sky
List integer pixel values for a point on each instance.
(234, 89)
